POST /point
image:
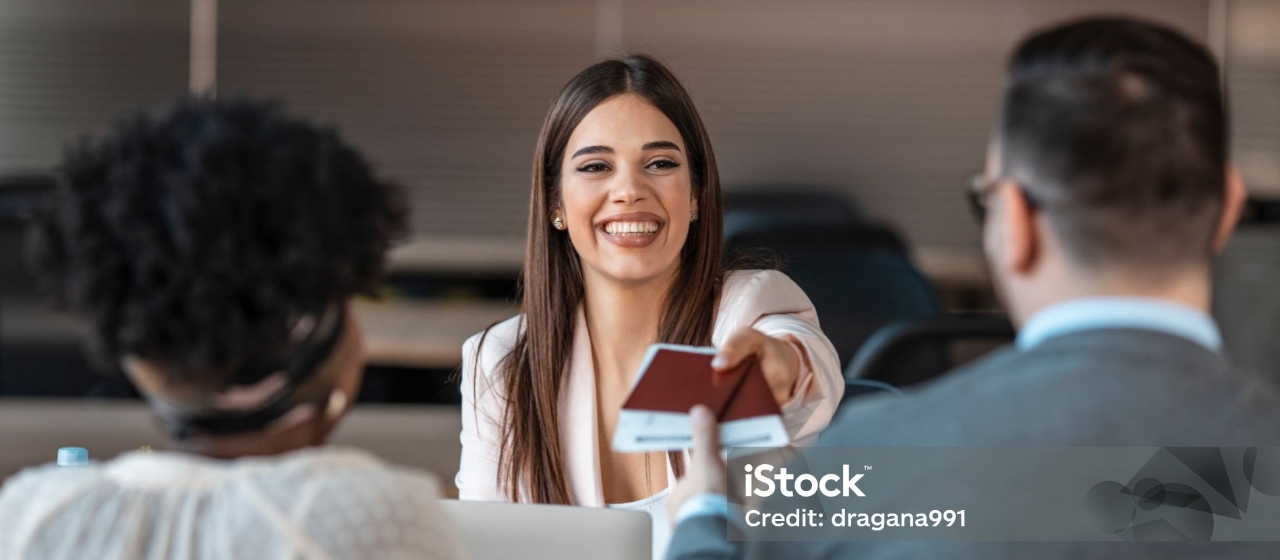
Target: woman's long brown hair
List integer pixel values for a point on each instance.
(533, 373)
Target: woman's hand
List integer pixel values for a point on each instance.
(778, 360)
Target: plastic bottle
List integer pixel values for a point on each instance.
(73, 457)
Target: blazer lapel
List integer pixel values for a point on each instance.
(578, 426)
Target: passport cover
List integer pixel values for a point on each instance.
(673, 379)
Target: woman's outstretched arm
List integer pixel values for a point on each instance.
(769, 303)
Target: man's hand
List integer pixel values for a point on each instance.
(778, 360)
(705, 474)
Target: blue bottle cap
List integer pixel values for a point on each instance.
(73, 457)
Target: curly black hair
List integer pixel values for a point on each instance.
(193, 234)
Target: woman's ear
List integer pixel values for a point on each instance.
(336, 406)
(1233, 200)
(348, 362)
(693, 209)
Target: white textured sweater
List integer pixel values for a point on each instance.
(315, 504)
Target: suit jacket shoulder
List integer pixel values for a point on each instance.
(1106, 387)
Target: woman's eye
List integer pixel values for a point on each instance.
(664, 164)
(593, 168)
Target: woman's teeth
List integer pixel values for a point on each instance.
(631, 228)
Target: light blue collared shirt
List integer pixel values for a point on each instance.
(703, 504)
(1076, 315)
(1093, 313)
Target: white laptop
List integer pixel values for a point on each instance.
(502, 531)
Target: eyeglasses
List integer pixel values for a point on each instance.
(980, 187)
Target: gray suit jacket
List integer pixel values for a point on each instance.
(1115, 387)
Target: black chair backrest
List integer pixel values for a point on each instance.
(45, 356)
(910, 351)
(756, 210)
(854, 388)
(18, 195)
(858, 276)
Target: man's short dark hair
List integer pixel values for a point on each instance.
(194, 234)
(1117, 127)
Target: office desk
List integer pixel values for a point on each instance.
(459, 255)
(949, 269)
(426, 335)
(417, 334)
(429, 334)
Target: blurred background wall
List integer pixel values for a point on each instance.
(886, 102)
(889, 101)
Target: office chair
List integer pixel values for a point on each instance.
(43, 354)
(18, 195)
(858, 276)
(910, 351)
(756, 210)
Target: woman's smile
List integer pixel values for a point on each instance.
(632, 230)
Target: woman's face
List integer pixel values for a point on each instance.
(626, 195)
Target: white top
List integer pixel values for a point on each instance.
(765, 300)
(314, 504)
(656, 507)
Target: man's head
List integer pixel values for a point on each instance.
(1108, 172)
(212, 244)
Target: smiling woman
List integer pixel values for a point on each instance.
(624, 250)
(628, 187)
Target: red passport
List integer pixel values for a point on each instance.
(673, 379)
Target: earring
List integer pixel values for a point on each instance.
(337, 404)
(693, 216)
(558, 223)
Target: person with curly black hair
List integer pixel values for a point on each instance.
(213, 247)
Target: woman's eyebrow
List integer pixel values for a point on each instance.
(657, 145)
(592, 150)
(661, 145)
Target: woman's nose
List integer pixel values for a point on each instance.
(629, 188)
